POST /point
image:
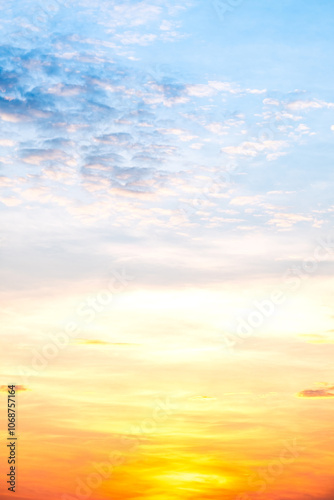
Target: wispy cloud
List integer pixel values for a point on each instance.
(301, 105)
(18, 388)
(103, 342)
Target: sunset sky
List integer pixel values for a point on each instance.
(167, 248)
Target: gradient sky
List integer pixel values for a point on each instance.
(166, 172)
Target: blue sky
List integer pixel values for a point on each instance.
(152, 123)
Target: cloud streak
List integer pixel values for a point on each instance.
(327, 392)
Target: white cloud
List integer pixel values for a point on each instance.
(286, 221)
(271, 102)
(65, 90)
(200, 90)
(131, 38)
(246, 200)
(136, 14)
(12, 117)
(217, 128)
(36, 157)
(7, 143)
(301, 105)
(183, 135)
(11, 201)
(253, 149)
(165, 25)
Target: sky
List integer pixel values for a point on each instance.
(167, 248)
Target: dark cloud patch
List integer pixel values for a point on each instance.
(8, 80)
(58, 142)
(145, 158)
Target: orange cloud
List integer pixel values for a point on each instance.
(101, 342)
(317, 393)
(18, 388)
